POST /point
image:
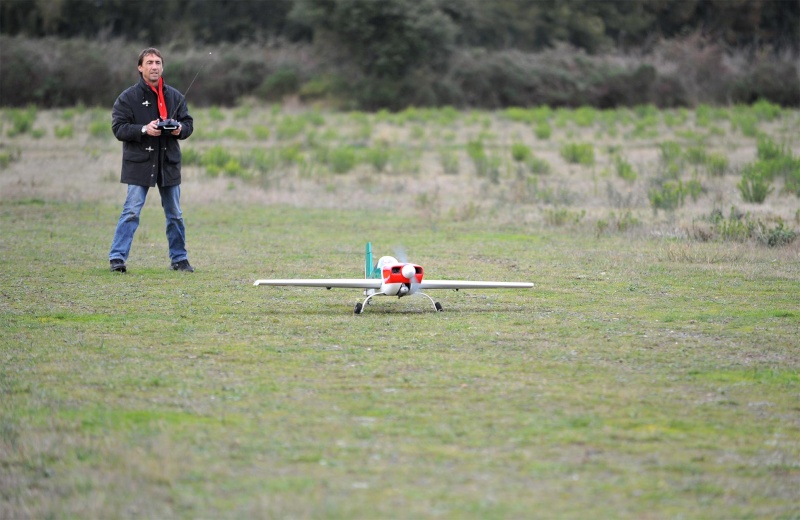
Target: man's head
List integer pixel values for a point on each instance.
(151, 65)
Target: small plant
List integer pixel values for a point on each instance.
(100, 129)
(342, 159)
(746, 122)
(624, 169)
(378, 156)
(21, 120)
(261, 132)
(543, 130)
(694, 189)
(669, 196)
(485, 165)
(291, 154)
(696, 155)
(578, 153)
(562, 216)
(8, 156)
(520, 152)
(538, 166)
(263, 161)
(64, 132)
(216, 159)
(290, 127)
(670, 152)
(191, 157)
(716, 164)
(449, 160)
(767, 149)
(777, 236)
(754, 186)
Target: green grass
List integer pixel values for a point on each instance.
(643, 378)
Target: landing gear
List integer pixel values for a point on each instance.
(361, 307)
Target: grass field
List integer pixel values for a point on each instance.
(652, 372)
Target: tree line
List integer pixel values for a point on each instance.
(391, 53)
(527, 25)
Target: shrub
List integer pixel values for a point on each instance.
(485, 165)
(562, 216)
(342, 159)
(378, 156)
(624, 169)
(716, 164)
(8, 156)
(280, 83)
(261, 132)
(261, 160)
(215, 160)
(669, 196)
(670, 152)
(289, 127)
(21, 120)
(754, 186)
(777, 236)
(537, 165)
(449, 160)
(520, 152)
(64, 132)
(542, 130)
(740, 227)
(578, 153)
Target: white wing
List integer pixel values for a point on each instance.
(346, 283)
(463, 284)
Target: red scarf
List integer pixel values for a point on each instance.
(162, 105)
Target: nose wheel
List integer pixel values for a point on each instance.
(359, 308)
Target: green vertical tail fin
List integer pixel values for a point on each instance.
(368, 261)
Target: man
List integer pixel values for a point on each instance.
(150, 157)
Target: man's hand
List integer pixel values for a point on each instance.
(152, 128)
(177, 131)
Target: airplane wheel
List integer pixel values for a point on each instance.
(438, 306)
(358, 308)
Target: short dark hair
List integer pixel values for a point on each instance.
(150, 50)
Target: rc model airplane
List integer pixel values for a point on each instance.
(390, 277)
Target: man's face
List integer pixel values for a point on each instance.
(151, 68)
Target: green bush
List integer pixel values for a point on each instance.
(624, 169)
(520, 152)
(378, 156)
(671, 152)
(562, 216)
(64, 132)
(669, 196)
(449, 160)
(8, 156)
(755, 185)
(543, 130)
(342, 159)
(216, 160)
(21, 120)
(485, 165)
(776, 236)
(289, 127)
(716, 164)
(538, 165)
(578, 153)
(280, 83)
(261, 160)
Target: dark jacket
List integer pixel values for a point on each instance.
(143, 156)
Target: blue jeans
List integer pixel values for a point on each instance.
(129, 221)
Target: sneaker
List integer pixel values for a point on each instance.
(182, 265)
(118, 265)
